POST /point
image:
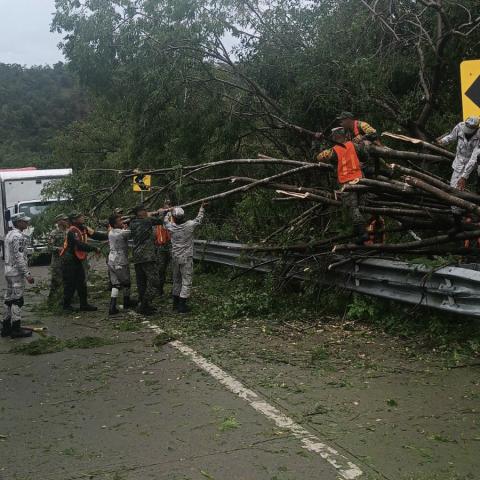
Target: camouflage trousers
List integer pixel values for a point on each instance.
(182, 276)
(352, 201)
(14, 298)
(147, 281)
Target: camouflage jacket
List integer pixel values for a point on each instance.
(16, 262)
(467, 150)
(183, 235)
(56, 239)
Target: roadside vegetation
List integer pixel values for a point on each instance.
(53, 345)
(254, 303)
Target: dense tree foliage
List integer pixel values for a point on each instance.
(35, 104)
(186, 81)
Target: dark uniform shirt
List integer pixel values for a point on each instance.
(75, 242)
(144, 239)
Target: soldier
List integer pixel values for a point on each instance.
(467, 136)
(74, 254)
(357, 131)
(182, 254)
(118, 266)
(56, 239)
(16, 272)
(349, 172)
(144, 259)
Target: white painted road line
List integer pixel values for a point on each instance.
(346, 469)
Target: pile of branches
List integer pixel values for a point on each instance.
(416, 203)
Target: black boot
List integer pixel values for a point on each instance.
(182, 306)
(145, 309)
(129, 303)
(19, 332)
(88, 308)
(69, 308)
(176, 299)
(113, 310)
(6, 328)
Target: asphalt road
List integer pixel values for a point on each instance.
(134, 411)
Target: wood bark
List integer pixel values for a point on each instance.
(385, 152)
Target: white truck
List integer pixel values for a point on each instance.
(21, 191)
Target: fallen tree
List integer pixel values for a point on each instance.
(413, 202)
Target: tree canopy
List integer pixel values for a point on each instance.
(180, 82)
(35, 105)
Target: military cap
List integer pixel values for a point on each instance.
(60, 217)
(345, 115)
(74, 215)
(472, 122)
(178, 212)
(17, 217)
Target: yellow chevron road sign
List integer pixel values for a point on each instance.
(470, 79)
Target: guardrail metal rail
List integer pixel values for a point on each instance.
(449, 289)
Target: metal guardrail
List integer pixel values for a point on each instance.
(449, 289)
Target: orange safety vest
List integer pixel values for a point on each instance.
(376, 231)
(162, 235)
(348, 163)
(82, 236)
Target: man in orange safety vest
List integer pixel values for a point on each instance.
(349, 172)
(74, 254)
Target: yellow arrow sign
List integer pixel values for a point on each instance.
(142, 183)
(470, 79)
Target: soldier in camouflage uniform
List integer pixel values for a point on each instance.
(144, 257)
(16, 272)
(56, 239)
(118, 265)
(74, 254)
(350, 166)
(467, 136)
(182, 233)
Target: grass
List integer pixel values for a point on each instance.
(162, 339)
(319, 355)
(220, 306)
(128, 325)
(229, 423)
(47, 345)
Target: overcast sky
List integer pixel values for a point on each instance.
(25, 36)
